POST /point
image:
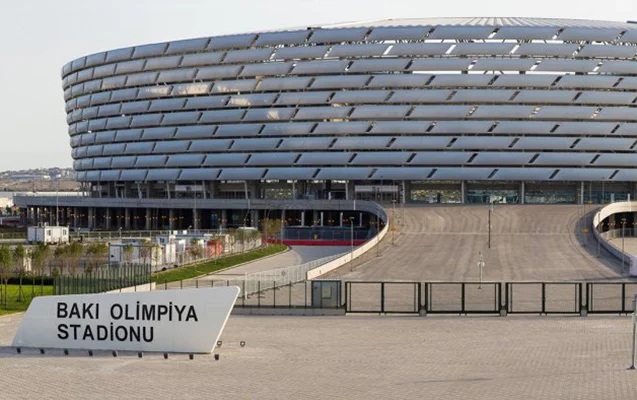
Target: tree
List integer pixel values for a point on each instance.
(145, 251)
(19, 257)
(127, 250)
(6, 261)
(97, 253)
(75, 253)
(39, 256)
(195, 249)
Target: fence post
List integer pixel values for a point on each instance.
(419, 297)
(243, 298)
(543, 298)
(305, 295)
(274, 294)
(382, 297)
(462, 299)
(258, 294)
(624, 298)
(290, 295)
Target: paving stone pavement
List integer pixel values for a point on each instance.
(353, 357)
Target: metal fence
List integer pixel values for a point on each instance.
(102, 280)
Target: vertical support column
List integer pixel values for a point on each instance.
(303, 218)
(360, 220)
(463, 192)
(224, 219)
(118, 217)
(254, 218)
(195, 219)
(127, 219)
(107, 218)
(148, 220)
(91, 217)
(581, 193)
(349, 190)
(322, 219)
(171, 217)
(340, 220)
(522, 192)
(76, 215)
(314, 217)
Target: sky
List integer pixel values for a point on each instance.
(39, 36)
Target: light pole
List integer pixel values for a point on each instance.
(623, 254)
(351, 224)
(480, 266)
(393, 217)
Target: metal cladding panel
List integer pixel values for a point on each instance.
(268, 114)
(133, 175)
(266, 69)
(564, 159)
(360, 96)
(338, 35)
(523, 174)
(479, 96)
(399, 81)
(128, 67)
(149, 50)
(238, 56)
(438, 112)
(288, 83)
(128, 135)
(206, 102)
(607, 51)
(83, 164)
(135, 107)
(233, 174)
(231, 41)
(181, 118)
(547, 49)
(221, 116)
(266, 159)
(512, 64)
(419, 49)
(398, 33)
(92, 86)
(218, 72)
(110, 176)
(440, 64)
(340, 128)
(151, 161)
(113, 82)
(546, 96)
(146, 120)
(95, 125)
(461, 80)
(519, 81)
(80, 176)
(380, 112)
(104, 111)
(185, 160)
(381, 158)
(238, 130)
(461, 32)
(287, 128)
(590, 34)
(468, 173)
(201, 59)
(198, 174)
(416, 143)
(104, 70)
(80, 152)
(441, 158)
(361, 143)
(139, 148)
(320, 113)
(344, 173)
(101, 98)
(278, 38)
(628, 83)
(526, 32)
(462, 127)
(143, 78)
(604, 144)
(119, 55)
(171, 146)
(394, 127)
(162, 63)
(630, 36)
(619, 67)
(105, 137)
(320, 67)
(420, 96)
(503, 112)
(209, 145)
(306, 144)
(152, 92)
(567, 65)
(331, 158)
(565, 112)
(290, 173)
(187, 46)
(626, 175)
(184, 89)
(627, 129)
(113, 149)
(255, 144)
(194, 132)
(119, 122)
(378, 65)
(296, 53)
(623, 160)
(585, 128)
(544, 143)
(93, 176)
(482, 142)
(487, 49)
(177, 75)
(584, 81)
(83, 101)
(584, 174)
(502, 158)
(123, 162)
(357, 50)
(245, 85)
(167, 104)
(618, 113)
(163, 174)
(606, 97)
(338, 82)
(405, 173)
(92, 151)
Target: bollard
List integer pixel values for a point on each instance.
(66, 352)
(114, 353)
(165, 356)
(242, 343)
(217, 357)
(191, 356)
(19, 350)
(90, 353)
(140, 354)
(219, 343)
(41, 351)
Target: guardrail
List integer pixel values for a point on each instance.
(602, 214)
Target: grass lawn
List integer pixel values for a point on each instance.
(212, 266)
(28, 291)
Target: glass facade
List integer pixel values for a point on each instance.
(486, 196)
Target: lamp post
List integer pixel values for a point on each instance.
(393, 217)
(351, 224)
(623, 254)
(480, 266)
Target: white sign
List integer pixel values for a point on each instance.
(181, 321)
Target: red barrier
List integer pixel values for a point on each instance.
(318, 242)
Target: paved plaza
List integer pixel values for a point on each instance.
(352, 357)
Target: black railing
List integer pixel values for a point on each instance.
(102, 280)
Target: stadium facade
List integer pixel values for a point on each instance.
(517, 110)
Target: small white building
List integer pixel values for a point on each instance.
(48, 234)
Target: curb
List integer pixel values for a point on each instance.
(244, 263)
